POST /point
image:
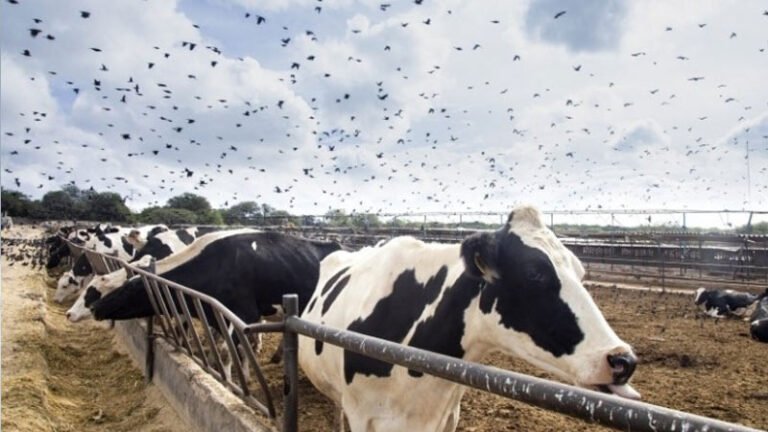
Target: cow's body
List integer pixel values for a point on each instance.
(724, 303)
(247, 271)
(758, 321)
(159, 246)
(516, 290)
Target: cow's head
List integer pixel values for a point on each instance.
(67, 286)
(135, 238)
(128, 301)
(535, 306)
(99, 287)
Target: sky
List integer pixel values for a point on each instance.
(390, 107)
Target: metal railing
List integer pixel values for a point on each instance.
(177, 307)
(198, 325)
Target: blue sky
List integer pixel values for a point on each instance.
(390, 106)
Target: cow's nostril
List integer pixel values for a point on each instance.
(623, 366)
(69, 315)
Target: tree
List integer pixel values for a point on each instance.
(244, 213)
(168, 216)
(210, 217)
(337, 217)
(189, 201)
(15, 203)
(365, 220)
(59, 205)
(107, 206)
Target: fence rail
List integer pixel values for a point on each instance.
(177, 307)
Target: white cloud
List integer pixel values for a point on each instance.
(409, 108)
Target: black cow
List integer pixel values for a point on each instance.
(724, 303)
(758, 322)
(247, 271)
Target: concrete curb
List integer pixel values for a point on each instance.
(196, 396)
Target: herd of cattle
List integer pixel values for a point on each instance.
(517, 290)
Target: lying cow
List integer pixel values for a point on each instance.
(758, 322)
(159, 247)
(724, 303)
(517, 290)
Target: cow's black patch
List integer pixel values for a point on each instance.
(127, 246)
(91, 296)
(312, 304)
(334, 293)
(333, 280)
(526, 295)
(156, 230)
(154, 248)
(106, 240)
(82, 266)
(318, 347)
(442, 332)
(184, 236)
(392, 318)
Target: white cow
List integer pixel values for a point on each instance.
(517, 290)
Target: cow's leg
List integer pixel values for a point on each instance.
(338, 419)
(277, 356)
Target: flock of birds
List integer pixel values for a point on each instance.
(26, 252)
(364, 141)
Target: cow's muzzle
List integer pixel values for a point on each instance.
(623, 366)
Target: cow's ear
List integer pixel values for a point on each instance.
(479, 253)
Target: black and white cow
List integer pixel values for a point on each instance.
(72, 281)
(58, 248)
(758, 322)
(517, 290)
(246, 270)
(724, 303)
(159, 246)
(114, 243)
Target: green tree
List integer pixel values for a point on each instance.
(15, 203)
(337, 217)
(59, 205)
(168, 216)
(106, 206)
(364, 220)
(210, 217)
(244, 213)
(281, 217)
(189, 201)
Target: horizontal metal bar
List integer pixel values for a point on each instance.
(577, 402)
(268, 327)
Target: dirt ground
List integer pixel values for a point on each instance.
(61, 377)
(696, 365)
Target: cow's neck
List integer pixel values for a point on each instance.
(478, 330)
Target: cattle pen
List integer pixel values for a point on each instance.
(171, 303)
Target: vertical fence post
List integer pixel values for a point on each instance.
(149, 359)
(291, 367)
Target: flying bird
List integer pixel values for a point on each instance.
(559, 14)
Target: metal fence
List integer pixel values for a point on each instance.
(178, 307)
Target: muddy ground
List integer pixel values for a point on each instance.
(62, 377)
